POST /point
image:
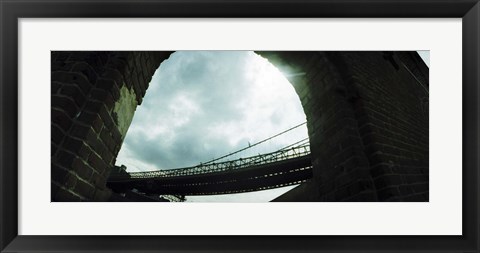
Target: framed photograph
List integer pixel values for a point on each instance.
(182, 126)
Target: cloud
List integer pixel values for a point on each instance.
(203, 104)
(425, 55)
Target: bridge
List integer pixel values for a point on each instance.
(289, 165)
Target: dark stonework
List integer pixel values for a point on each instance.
(86, 128)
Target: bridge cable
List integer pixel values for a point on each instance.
(255, 144)
(304, 141)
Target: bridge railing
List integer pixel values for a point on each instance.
(241, 163)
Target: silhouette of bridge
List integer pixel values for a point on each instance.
(287, 166)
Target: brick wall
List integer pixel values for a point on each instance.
(367, 115)
(392, 112)
(340, 167)
(94, 95)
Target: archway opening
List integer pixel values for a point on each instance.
(203, 105)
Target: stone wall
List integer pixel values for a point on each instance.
(94, 96)
(367, 115)
(392, 109)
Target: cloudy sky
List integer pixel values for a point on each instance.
(425, 55)
(202, 105)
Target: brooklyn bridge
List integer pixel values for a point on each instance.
(287, 166)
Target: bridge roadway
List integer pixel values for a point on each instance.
(279, 169)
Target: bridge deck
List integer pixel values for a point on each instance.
(258, 177)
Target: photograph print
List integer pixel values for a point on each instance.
(240, 126)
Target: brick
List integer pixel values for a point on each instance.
(416, 198)
(84, 189)
(77, 147)
(107, 118)
(76, 56)
(117, 63)
(62, 66)
(365, 196)
(65, 159)
(381, 169)
(107, 139)
(96, 144)
(55, 87)
(107, 156)
(66, 104)
(59, 56)
(86, 70)
(137, 88)
(117, 137)
(341, 194)
(355, 162)
(65, 195)
(91, 119)
(72, 78)
(106, 173)
(61, 118)
(54, 188)
(75, 93)
(387, 181)
(82, 169)
(98, 180)
(128, 81)
(58, 174)
(53, 149)
(109, 85)
(70, 181)
(57, 134)
(82, 132)
(406, 190)
(103, 97)
(360, 186)
(112, 73)
(419, 188)
(416, 178)
(388, 193)
(97, 163)
(102, 194)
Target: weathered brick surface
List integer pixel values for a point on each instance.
(85, 134)
(393, 108)
(367, 115)
(367, 119)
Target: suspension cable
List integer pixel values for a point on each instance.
(255, 144)
(298, 142)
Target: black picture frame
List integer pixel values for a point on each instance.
(11, 11)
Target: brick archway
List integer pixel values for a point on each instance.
(366, 119)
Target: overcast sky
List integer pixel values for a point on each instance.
(425, 55)
(201, 105)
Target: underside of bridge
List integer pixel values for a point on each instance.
(367, 119)
(255, 178)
